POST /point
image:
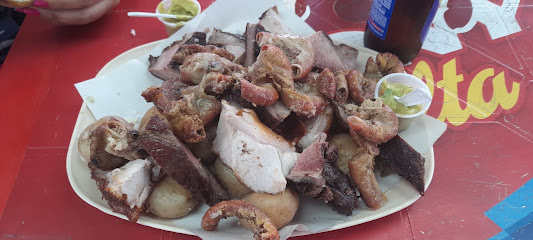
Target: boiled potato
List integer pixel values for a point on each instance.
(347, 149)
(229, 181)
(170, 200)
(280, 208)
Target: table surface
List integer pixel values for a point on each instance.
(476, 55)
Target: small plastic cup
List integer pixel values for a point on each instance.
(406, 120)
(170, 27)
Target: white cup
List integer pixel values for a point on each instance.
(409, 80)
(170, 27)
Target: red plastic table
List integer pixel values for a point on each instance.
(477, 56)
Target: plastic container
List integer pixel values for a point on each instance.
(406, 120)
(399, 26)
(170, 27)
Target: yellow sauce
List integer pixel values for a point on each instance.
(186, 8)
(387, 91)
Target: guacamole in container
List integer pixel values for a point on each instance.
(387, 91)
(184, 9)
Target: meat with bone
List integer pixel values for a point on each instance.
(162, 66)
(127, 188)
(298, 50)
(179, 163)
(259, 158)
(404, 160)
(235, 44)
(109, 143)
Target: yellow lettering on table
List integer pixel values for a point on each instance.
(451, 110)
(475, 104)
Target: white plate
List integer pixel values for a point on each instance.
(398, 197)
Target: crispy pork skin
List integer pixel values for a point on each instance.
(259, 158)
(127, 188)
(179, 163)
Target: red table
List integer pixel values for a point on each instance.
(478, 59)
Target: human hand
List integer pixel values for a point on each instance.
(70, 12)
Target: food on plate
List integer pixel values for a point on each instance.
(226, 177)
(16, 3)
(261, 224)
(186, 9)
(387, 91)
(259, 158)
(127, 188)
(179, 163)
(346, 149)
(170, 200)
(316, 175)
(385, 63)
(263, 105)
(298, 50)
(328, 55)
(404, 160)
(109, 143)
(280, 208)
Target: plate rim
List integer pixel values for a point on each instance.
(143, 220)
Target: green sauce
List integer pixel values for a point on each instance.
(186, 8)
(388, 90)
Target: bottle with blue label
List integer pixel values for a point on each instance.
(399, 26)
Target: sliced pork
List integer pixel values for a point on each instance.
(259, 158)
(329, 55)
(127, 188)
(179, 163)
(316, 126)
(235, 44)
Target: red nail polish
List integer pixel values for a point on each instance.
(28, 11)
(40, 3)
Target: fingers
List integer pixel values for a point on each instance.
(78, 16)
(69, 4)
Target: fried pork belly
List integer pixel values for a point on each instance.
(259, 158)
(179, 163)
(404, 160)
(162, 66)
(127, 188)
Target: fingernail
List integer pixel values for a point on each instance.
(28, 11)
(40, 3)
